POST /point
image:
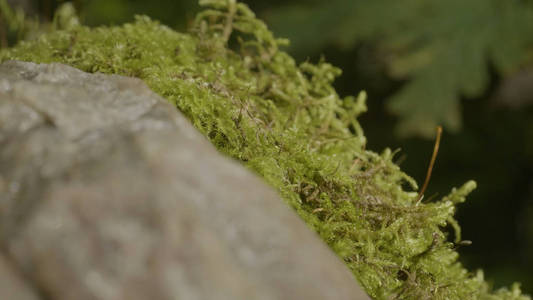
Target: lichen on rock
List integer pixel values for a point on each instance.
(287, 123)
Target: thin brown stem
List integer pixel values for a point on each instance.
(431, 164)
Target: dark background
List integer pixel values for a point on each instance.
(494, 143)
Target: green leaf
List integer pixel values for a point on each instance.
(442, 48)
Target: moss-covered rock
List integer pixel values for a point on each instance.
(287, 123)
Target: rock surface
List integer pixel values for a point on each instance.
(107, 192)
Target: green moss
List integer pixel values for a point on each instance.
(286, 122)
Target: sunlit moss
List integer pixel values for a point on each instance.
(286, 122)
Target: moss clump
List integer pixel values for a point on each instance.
(286, 122)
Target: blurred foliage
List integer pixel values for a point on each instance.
(14, 24)
(442, 47)
(176, 14)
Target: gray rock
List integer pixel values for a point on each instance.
(107, 192)
(12, 286)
